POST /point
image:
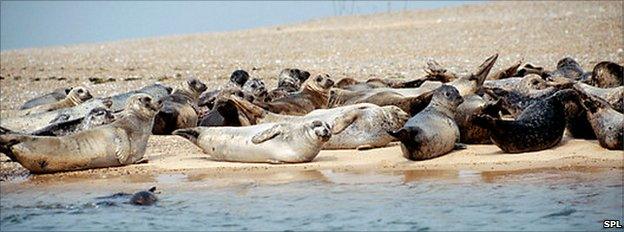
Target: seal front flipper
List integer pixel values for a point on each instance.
(341, 123)
(266, 134)
(459, 146)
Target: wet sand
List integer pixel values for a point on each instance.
(394, 45)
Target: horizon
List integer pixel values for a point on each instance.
(28, 24)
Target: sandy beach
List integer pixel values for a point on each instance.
(393, 45)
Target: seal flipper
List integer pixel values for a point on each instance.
(188, 133)
(484, 69)
(267, 134)
(459, 146)
(341, 123)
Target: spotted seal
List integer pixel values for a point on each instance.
(289, 81)
(540, 126)
(475, 105)
(606, 75)
(607, 123)
(96, 117)
(120, 143)
(313, 95)
(432, 132)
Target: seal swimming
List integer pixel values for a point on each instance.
(120, 143)
(273, 143)
(540, 126)
(432, 132)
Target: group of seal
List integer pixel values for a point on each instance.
(518, 108)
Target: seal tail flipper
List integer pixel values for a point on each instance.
(508, 72)
(188, 133)
(484, 69)
(7, 141)
(4, 130)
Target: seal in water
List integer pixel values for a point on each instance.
(607, 123)
(314, 95)
(432, 132)
(54, 96)
(368, 129)
(119, 143)
(75, 97)
(540, 126)
(96, 117)
(264, 143)
(289, 81)
(145, 198)
(179, 109)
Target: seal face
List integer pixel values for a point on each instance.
(239, 77)
(119, 143)
(256, 89)
(263, 143)
(179, 109)
(432, 132)
(474, 105)
(607, 123)
(538, 127)
(289, 81)
(606, 75)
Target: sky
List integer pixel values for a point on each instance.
(25, 24)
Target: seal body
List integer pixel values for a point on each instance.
(607, 123)
(75, 97)
(54, 96)
(314, 95)
(432, 132)
(606, 75)
(263, 143)
(119, 143)
(96, 117)
(474, 105)
(180, 109)
(538, 127)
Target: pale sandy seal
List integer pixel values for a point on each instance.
(179, 109)
(76, 96)
(119, 143)
(263, 143)
(368, 129)
(540, 126)
(96, 117)
(54, 96)
(607, 123)
(313, 95)
(432, 132)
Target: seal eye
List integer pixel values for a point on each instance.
(79, 91)
(319, 79)
(253, 86)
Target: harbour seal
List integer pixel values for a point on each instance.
(179, 109)
(256, 89)
(566, 67)
(238, 78)
(368, 129)
(606, 75)
(475, 105)
(289, 81)
(411, 104)
(76, 96)
(432, 132)
(225, 112)
(263, 143)
(540, 126)
(144, 198)
(506, 72)
(96, 117)
(119, 143)
(607, 123)
(313, 95)
(54, 96)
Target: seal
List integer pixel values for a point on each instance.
(505, 73)
(411, 105)
(120, 143)
(475, 105)
(354, 85)
(607, 123)
(54, 96)
(432, 132)
(75, 97)
(289, 81)
(313, 95)
(96, 117)
(606, 75)
(144, 198)
(522, 85)
(157, 90)
(256, 89)
(367, 130)
(263, 143)
(238, 78)
(225, 111)
(538, 127)
(179, 109)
